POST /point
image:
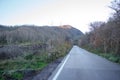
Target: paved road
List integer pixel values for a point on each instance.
(80, 64)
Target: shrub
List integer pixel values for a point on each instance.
(17, 75)
(10, 51)
(29, 57)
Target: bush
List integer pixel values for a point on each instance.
(29, 57)
(111, 57)
(17, 75)
(10, 51)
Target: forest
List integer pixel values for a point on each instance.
(104, 37)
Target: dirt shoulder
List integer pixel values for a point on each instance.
(45, 73)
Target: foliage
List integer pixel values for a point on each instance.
(13, 65)
(31, 34)
(31, 61)
(104, 37)
(110, 56)
(17, 75)
(18, 40)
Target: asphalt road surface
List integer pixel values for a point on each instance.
(80, 64)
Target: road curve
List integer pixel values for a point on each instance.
(80, 64)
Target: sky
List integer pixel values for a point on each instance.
(77, 13)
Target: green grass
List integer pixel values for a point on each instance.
(30, 61)
(110, 56)
(10, 66)
(17, 75)
(22, 64)
(33, 62)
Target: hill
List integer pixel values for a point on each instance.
(34, 38)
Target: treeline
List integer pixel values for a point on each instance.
(20, 34)
(34, 39)
(104, 37)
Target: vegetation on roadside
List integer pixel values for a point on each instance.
(110, 56)
(17, 68)
(104, 37)
(28, 49)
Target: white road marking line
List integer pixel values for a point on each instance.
(55, 77)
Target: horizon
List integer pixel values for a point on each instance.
(76, 13)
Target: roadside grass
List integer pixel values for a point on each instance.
(110, 56)
(29, 43)
(11, 68)
(15, 69)
(17, 75)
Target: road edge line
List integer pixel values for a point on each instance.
(55, 77)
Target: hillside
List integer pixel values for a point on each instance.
(19, 34)
(47, 37)
(29, 48)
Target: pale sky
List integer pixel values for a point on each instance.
(77, 13)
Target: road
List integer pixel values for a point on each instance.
(80, 64)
